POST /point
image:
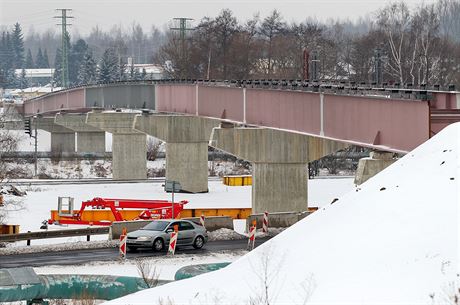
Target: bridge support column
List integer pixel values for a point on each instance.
(279, 181)
(369, 167)
(62, 139)
(89, 139)
(129, 147)
(186, 140)
(279, 187)
(62, 142)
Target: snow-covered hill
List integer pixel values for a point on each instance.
(394, 240)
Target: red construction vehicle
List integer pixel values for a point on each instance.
(106, 210)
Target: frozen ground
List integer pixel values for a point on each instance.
(395, 240)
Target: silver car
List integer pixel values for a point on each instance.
(156, 235)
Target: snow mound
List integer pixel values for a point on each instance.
(224, 234)
(394, 240)
(59, 247)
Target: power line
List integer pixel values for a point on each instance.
(64, 46)
(182, 35)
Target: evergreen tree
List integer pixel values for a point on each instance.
(46, 63)
(17, 41)
(39, 59)
(6, 61)
(57, 76)
(23, 82)
(87, 70)
(3, 61)
(108, 67)
(76, 57)
(29, 60)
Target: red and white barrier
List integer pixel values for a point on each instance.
(123, 239)
(173, 242)
(265, 223)
(202, 220)
(252, 237)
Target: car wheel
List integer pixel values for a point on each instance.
(131, 249)
(198, 243)
(158, 244)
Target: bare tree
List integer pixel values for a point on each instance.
(226, 26)
(426, 23)
(153, 148)
(266, 269)
(8, 144)
(269, 29)
(394, 20)
(148, 273)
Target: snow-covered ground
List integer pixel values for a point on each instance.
(394, 240)
(36, 205)
(166, 266)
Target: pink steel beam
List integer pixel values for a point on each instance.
(68, 99)
(381, 123)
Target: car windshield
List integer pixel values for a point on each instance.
(156, 226)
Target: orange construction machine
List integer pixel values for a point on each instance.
(103, 211)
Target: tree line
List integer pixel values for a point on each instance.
(83, 67)
(419, 46)
(415, 47)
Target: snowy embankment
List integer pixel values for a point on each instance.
(395, 240)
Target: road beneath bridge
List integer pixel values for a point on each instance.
(76, 257)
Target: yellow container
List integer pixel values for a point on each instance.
(237, 180)
(9, 229)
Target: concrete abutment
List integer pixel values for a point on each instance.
(369, 167)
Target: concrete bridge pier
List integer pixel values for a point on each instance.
(129, 147)
(187, 139)
(280, 178)
(89, 138)
(62, 139)
(369, 167)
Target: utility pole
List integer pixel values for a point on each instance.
(182, 28)
(378, 66)
(64, 46)
(36, 147)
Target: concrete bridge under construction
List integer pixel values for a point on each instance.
(278, 126)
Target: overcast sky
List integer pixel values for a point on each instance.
(106, 13)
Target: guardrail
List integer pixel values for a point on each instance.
(54, 234)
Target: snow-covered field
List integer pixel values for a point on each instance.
(36, 205)
(394, 240)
